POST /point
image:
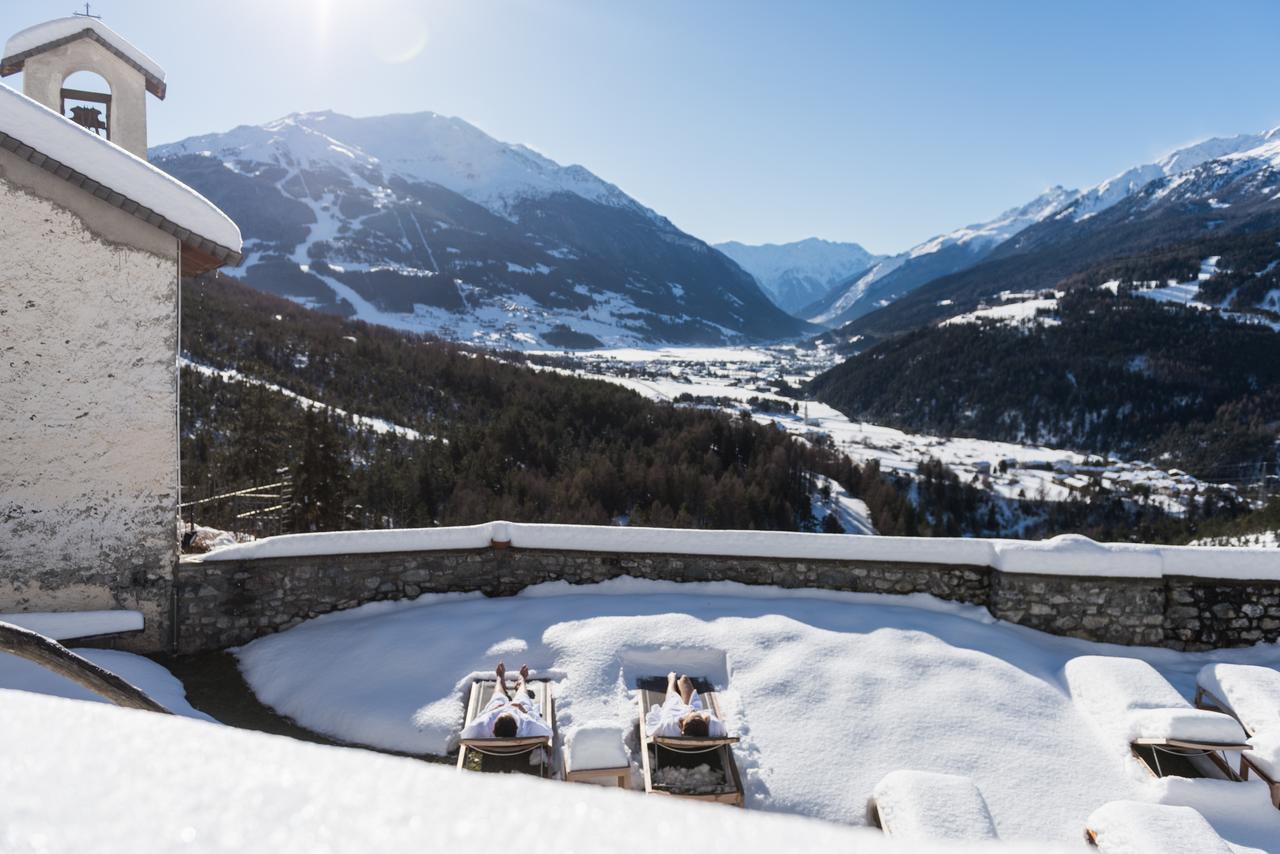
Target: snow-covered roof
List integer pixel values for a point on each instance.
(60, 31)
(34, 132)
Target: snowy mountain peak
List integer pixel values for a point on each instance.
(1178, 162)
(796, 274)
(424, 146)
(424, 222)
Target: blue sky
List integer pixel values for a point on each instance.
(882, 123)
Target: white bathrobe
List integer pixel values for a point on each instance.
(523, 708)
(664, 720)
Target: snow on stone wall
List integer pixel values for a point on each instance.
(88, 425)
(1068, 554)
(1117, 593)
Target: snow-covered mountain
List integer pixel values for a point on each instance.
(424, 222)
(1193, 209)
(967, 247)
(948, 253)
(800, 273)
(1114, 190)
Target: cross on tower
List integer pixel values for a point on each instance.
(86, 13)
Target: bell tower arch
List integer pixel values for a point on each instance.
(49, 53)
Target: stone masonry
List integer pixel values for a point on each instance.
(225, 603)
(1113, 610)
(222, 604)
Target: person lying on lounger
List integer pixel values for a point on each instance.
(682, 713)
(508, 715)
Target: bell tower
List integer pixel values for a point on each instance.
(49, 53)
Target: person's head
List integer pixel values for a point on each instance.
(694, 726)
(504, 727)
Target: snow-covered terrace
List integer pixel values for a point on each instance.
(829, 692)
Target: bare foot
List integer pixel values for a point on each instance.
(501, 670)
(524, 671)
(671, 677)
(686, 685)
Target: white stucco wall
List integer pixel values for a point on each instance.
(45, 73)
(88, 403)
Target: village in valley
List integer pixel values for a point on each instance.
(370, 484)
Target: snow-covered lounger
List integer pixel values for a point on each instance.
(1128, 697)
(923, 806)
(1250, 694)
(596, 751)
(1135, 827)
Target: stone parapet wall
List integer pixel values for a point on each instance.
(226, 601)
(1206, 613)
(1112, 610)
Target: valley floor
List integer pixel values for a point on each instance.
(730, 377)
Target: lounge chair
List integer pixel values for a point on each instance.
(921, 806)
(1136, 827)
(1251, 695)
(506, 750)
(1129, 698)
(660, 755)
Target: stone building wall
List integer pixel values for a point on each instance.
(223, 603)
(88, 404)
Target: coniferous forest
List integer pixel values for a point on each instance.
(499, 439)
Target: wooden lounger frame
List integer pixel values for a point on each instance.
(1205, 699)
(1211, 749)
(722, 747)
(481, 692)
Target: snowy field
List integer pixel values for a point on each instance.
(828, 691)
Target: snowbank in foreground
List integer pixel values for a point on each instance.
(1067, 554)
(86, 777)
(829, 692)
(155, 681)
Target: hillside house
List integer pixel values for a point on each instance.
(93, 241)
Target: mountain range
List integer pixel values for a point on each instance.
(894, 277)
(1199, 193)
(1141, 317)
(796, 275)
(424, 222)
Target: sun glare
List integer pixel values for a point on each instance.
(390, 31)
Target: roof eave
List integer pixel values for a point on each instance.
(199, 254)
(13, 64)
